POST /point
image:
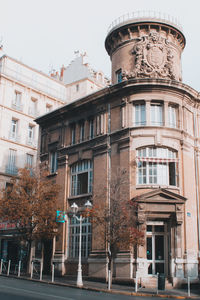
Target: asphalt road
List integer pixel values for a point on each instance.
(17, 289)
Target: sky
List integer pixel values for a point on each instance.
(45, 33)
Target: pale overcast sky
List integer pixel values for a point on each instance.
(42, 33)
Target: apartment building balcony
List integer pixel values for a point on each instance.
(11, 169)
(16, 106)
(14, 137)
(33, 112)
(31, 142)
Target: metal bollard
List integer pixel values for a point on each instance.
(8, 271)
(53, 270)
(109, 280)
(31, 269)
(1, 266)
(136, 282)
(19, 269)
(157, 283)
(188, 286)
(41, 269)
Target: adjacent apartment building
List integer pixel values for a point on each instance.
(26, 93)
(147, 120)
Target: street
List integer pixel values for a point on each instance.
(17, 289)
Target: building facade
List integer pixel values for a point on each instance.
(148, 122)
(25, 94)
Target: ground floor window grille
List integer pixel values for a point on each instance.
(74, 231)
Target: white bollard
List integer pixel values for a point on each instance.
(188, 286)
(19, 269)
(31, 269)
(8, 271)
(157, 283)
(136, 283)
(41, 269)
(53, 270)
(1, 266)
(109, 280)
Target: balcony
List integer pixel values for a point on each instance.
(33, 112)
(11, 169)
(13, 136)
(31, 142)
(17, 106)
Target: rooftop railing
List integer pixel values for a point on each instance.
(144, 15)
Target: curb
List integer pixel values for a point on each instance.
(120, 292)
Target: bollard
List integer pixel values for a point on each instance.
(8, 271)
(31, 269)
(41, 268)
(157, 283)
(52, 278)
(188, 286)
(19, 268)
(109, 279)
(136, 283)
(1, 266)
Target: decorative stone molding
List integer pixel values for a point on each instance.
(153, 58)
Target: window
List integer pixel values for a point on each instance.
(30, 134)
(33, 107)
(29, 161)
(156, 114)
(17, 101)
(81, 177)
(172, 116)
(140, 114)
(157, 166)
(74, 231)
(91, 125)
(82, 131)
(14, 127)
(53, 162)
(119, 76)
(73, 134)
(77, 87)
(11, 166)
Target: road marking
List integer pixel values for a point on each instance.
(36, 293)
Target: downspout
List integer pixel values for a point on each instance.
(197, 182)
(109, 178)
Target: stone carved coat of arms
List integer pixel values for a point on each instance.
(153, 58)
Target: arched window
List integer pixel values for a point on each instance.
(157, 166)
(81, 177)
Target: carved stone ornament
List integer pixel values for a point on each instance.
(153, 58)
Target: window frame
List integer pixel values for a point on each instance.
(156, 114)
(139, 109)
(157, 166)
(79, 171)
(73, 239)
(53, 162)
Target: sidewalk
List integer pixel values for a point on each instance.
(122, 288)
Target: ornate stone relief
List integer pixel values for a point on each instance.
(153, 58)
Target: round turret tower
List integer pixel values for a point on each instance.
(144, 45)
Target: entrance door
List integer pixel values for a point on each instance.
(156, 248)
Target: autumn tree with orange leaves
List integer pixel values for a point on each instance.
(114, 220)
(29, 202)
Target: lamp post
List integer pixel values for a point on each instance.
(75, 208)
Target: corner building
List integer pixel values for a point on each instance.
(154, 134)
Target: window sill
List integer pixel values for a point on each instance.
(155, 186)
(52, 174)
(80, 196)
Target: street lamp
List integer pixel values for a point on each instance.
(75, 208)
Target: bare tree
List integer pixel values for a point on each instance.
(115, 219)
